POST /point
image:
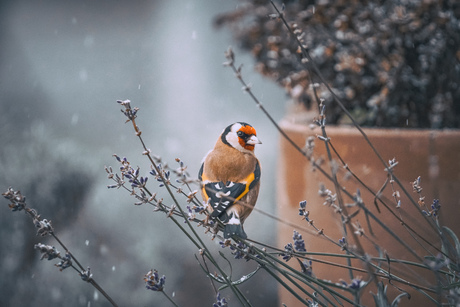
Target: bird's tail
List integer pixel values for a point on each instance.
(231, 230)
(234, 227)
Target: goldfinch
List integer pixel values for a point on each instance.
(230, 177)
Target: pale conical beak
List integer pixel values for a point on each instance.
(253, 140)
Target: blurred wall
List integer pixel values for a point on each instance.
(63, 65)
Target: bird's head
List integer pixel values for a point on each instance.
(241, 136)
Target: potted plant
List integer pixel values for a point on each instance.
(391, 66)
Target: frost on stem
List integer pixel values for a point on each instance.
(288, 252)
(309, 147)
(437, 263)
(65, 262)
(359, 230)
(128, 172)
(230, 56)
(321, 122)
(143, 198)
(240, 250)
(44, 226)
(181, 171)
(299, 243)
(17, 200)
(435, 207)
(86, 275)
(153, 281)
(417, 188)
(118, 181)
(392, 163)
(343, 243)
(356, 283)
(290, 249)
(302, 210)
(18, 203)
(129, 112)
(48, 252)
(220, 301)
(306, 267)
(192, 210)
(416, 185)
(330, 198)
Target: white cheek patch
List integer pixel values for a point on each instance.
(232, 139)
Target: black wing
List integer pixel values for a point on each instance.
(223, 195)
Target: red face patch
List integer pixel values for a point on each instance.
(249, 147)
(248, 131)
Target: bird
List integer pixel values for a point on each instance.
(230, 178)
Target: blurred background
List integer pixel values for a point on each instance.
(63, 65)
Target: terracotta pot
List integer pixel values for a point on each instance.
(433, 155)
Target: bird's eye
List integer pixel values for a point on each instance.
(240, 133)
